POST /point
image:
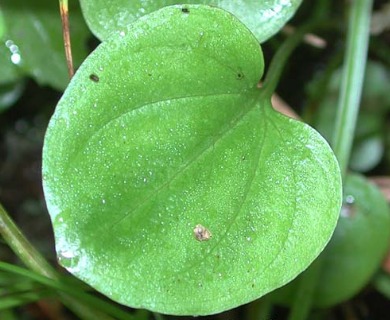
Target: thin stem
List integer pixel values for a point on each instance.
(22, 247)
(304, 296)
(259, 309)
(66, 35)
(158, 316)
(34, 261)
(352, 80)
(280, 58)
(354, 66)
(321, 88)
(12, 301)
(71, 293)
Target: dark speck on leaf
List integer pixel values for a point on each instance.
(185, 10)
(240, 76)
(94, 77)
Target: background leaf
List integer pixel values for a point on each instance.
(10, 73)
(37, 24)
(142, 149)
(356, 250)
(369, 144)
(2, 25)
(264, 18)
(10, 93)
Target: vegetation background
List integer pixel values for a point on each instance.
(308, 85)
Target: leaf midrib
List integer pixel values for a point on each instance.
(187, 164)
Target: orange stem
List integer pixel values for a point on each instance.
(66, 34)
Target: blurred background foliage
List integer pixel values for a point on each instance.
(33, 75)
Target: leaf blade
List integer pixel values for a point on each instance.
(263, 18)
(163, 155)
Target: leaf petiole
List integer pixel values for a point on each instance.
(66, 34)
(280, 58)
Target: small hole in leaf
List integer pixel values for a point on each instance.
(240, 76)
(185, 10)
(94, 77)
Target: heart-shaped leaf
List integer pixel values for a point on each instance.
(263, 18)
(171, 182)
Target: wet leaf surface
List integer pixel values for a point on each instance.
(264, 18)
(171, 182)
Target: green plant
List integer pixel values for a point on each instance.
(172, 183)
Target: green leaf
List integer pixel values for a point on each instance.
(171, 182)
(34, 41)
(357, 248)
(10, 93)
(375, 97)
(368, 147)
(367, 153)
(11, 82)
(382, 283)
(72, 289)
(2, 25)
(263, 18)
(10, 73)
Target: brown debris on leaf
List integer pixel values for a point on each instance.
(201, 233)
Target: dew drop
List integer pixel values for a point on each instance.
(67, 254)
(16, 57)
(349, 199)
(67, 258)
(73, 260)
